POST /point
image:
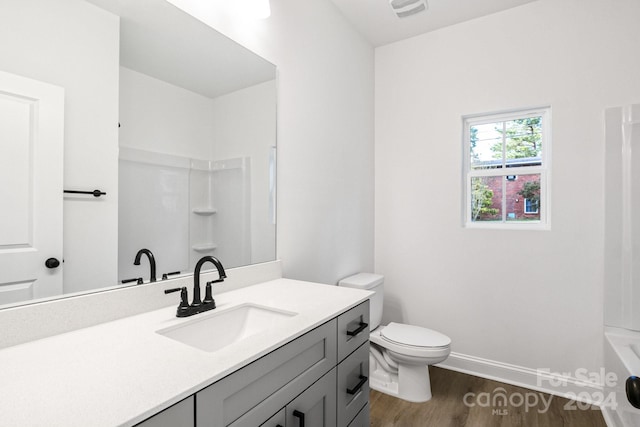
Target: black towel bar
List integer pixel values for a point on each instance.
(96, 193)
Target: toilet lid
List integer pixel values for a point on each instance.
(414, 336)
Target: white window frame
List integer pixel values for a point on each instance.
(544, 205)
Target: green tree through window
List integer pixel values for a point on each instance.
(481, 199)
(523, 138)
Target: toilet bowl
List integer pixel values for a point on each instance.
(400, 358)
(400, 354)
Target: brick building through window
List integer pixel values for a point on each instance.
(517, 207)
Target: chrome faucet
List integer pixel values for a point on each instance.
(152, 262)
(197, 306)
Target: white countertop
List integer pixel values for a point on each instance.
(121, 372)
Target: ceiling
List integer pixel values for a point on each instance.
(162, 41)
(377, 22)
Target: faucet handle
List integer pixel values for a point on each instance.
(183, 307)
(165, 276)
(208, 295)
(135, 279)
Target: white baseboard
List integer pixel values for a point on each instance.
(555, 384)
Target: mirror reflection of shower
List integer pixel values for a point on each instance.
(220, 206)
(184, 209)
(195, 174)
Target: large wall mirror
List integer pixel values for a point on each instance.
(172, 120)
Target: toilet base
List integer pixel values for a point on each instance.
(410, 383)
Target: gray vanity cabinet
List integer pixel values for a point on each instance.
(318, 379)
(353, 368)
(178, 415)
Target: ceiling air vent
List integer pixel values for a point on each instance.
(404, 8)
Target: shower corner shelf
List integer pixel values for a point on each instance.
(205, 247)
(204, 211)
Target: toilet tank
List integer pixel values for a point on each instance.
(369, 282)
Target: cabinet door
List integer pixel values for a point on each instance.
(353, 385)
(179, 415)
(316, 407)
(362, 419)
(278, 420)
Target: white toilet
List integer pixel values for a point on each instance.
(399, 354)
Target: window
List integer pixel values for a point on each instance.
(531, 206)
(507, 169)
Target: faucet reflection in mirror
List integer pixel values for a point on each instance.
(152, 262)
(197, 306)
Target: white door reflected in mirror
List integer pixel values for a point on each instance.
(31, 153)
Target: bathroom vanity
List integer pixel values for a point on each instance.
(316, 379)
(301, 360)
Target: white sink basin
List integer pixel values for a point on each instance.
(217, 329)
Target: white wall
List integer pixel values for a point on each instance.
(531, 299)
(160, 117)
(325, 133)
(49, 41)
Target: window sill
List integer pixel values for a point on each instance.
(522, 226)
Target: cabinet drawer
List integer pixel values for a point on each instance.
(266, 385)
(353, 384)
(362, 419)
(353, 329)
(178, 415)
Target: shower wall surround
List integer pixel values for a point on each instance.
(184, 209)
(622, 217)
